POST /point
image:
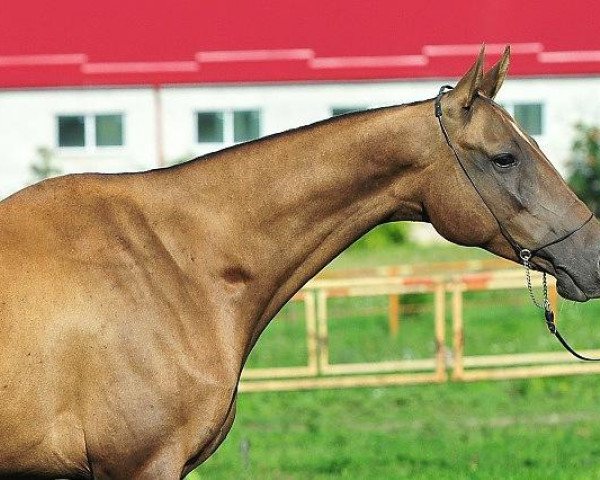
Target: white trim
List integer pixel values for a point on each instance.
(369, 61)
(574, 56)
(228, 128)
(298, 54)
(315, 62)
(139, 67)
(89, 125)
(219, 56)
(49, 59)
(473, 49)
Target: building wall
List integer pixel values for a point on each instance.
(28, 122)
(28, 117)
(566, 102)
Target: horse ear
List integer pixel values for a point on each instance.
(467, 87)
(492, 80)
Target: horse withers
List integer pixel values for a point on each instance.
(131, 302)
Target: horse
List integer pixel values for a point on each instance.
(130, 302)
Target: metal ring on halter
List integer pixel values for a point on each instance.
(525, 254)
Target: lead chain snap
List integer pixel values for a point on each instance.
(525, 254)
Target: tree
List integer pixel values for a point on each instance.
(44, 167)
(584, 166)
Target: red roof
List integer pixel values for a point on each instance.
(122, 42)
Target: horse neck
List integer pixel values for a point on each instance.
(269, 215)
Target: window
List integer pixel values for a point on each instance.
(529, 116)
(245, 125)
(335, 111)
(210, 127)
(90, 131)
(71, 131)
(109, 130)
(228, 127)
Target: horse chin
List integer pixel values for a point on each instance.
(567, 288)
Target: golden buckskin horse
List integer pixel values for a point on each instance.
(130, 302)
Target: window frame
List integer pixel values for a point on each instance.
(228, 126)
(89, 132)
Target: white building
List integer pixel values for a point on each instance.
(138, 103)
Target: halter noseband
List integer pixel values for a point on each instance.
(523, 254)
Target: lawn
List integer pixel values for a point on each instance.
(526, 429)
(522, 429)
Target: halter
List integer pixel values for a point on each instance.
(524, 254)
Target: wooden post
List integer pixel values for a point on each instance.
(311, 332)
(440, 331)
(323, 340)
(394, 314)
(457, 323)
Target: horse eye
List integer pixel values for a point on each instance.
(504, 160)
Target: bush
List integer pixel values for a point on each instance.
(44, 166)
(384, 235)
(583, 169)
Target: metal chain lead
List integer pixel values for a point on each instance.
(525, 256)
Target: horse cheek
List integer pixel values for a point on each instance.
(458, 215)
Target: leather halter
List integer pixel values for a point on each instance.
(523, 254)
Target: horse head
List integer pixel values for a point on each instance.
(496, 189)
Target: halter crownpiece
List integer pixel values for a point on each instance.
(523, 254)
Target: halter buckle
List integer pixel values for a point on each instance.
(438, 99)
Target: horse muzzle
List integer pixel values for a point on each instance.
(576, 264)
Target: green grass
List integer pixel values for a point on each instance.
(521, 429)
(526, 429)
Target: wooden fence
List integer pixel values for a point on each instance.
(320, 372)
(516, 365)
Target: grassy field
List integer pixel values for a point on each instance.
(525, 429)
(539, 428)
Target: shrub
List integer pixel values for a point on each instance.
(382, 236)
(583, 169)
(44, 166)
